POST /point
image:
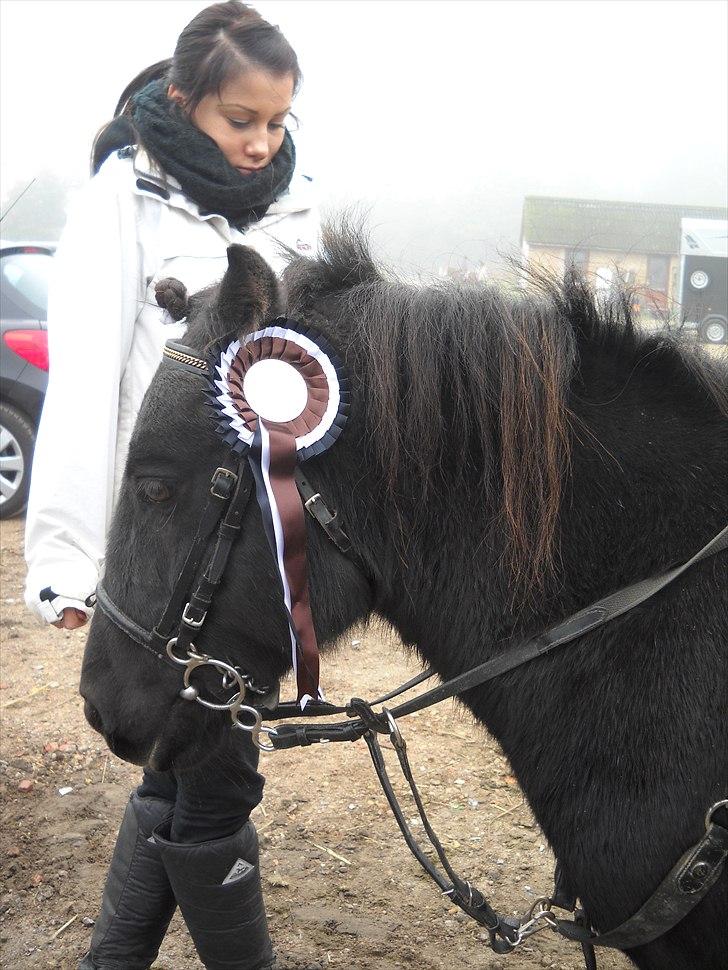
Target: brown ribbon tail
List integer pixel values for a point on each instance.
(291, 514)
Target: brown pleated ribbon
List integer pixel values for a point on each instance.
(276, 348)
(291, 514)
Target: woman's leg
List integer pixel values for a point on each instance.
(210, 850)
(138, 901)
(215, 799)
(158, 784)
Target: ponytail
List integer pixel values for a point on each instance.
(120, 131)
(149, 74)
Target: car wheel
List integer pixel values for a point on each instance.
(17, 440)
(713, 330)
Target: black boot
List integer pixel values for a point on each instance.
(138, 901)
(217, 885)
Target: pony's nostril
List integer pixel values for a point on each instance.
(93, 717)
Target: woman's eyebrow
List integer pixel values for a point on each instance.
(251, 111)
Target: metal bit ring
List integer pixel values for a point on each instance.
(192, 653)
(195, 662)
(256, 728)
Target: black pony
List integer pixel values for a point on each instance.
(509, 459)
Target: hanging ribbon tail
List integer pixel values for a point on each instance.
(272, 459)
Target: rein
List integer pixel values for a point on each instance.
(171, 641)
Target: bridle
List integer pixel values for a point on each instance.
(171, 641)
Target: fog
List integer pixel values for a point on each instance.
(437, 116)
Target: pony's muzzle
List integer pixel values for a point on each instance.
(129, 750)
(93, 717)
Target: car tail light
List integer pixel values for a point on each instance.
(31, 345)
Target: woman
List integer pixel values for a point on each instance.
(199, 156)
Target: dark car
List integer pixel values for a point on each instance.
(24, 274)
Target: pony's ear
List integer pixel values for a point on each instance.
(249, 293)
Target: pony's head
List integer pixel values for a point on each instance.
(131, 696)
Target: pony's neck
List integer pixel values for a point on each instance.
(649, 461)
(647, 466)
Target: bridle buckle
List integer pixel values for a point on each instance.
(188, 621)
(223, 483)
(312, 501)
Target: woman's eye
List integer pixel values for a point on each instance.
(242, 125)
(154, 490)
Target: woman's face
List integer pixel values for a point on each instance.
(247, 119)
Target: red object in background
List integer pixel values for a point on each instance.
(31, 345)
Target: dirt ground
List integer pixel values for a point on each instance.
(340, 884)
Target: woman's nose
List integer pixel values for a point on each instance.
(256, 146)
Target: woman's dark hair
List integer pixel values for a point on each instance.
(220, 43)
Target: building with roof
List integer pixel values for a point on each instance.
(635, 242)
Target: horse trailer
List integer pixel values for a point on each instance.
(703, 287)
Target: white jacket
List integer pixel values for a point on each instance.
(130, 227)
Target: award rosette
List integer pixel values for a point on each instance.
(281, 397)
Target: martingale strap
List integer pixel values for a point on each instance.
(687, 883)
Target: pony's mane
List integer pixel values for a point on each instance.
(468, 384)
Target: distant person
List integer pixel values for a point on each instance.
(198, 156)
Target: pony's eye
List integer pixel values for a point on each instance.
(154, 490)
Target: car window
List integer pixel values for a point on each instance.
(24, 286)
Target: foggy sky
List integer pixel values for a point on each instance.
(439, 116)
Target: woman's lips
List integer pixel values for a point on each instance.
(248, 171)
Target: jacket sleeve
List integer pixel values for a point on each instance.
(91, 315)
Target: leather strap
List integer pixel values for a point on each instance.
(328, 520)
(222, 485)
(588, 619)
(193, 616)
(597, 614)
(128, 626)
(503, 931)
(320, 708)
(679, 892)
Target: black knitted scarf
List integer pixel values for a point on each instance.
(193, 158)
